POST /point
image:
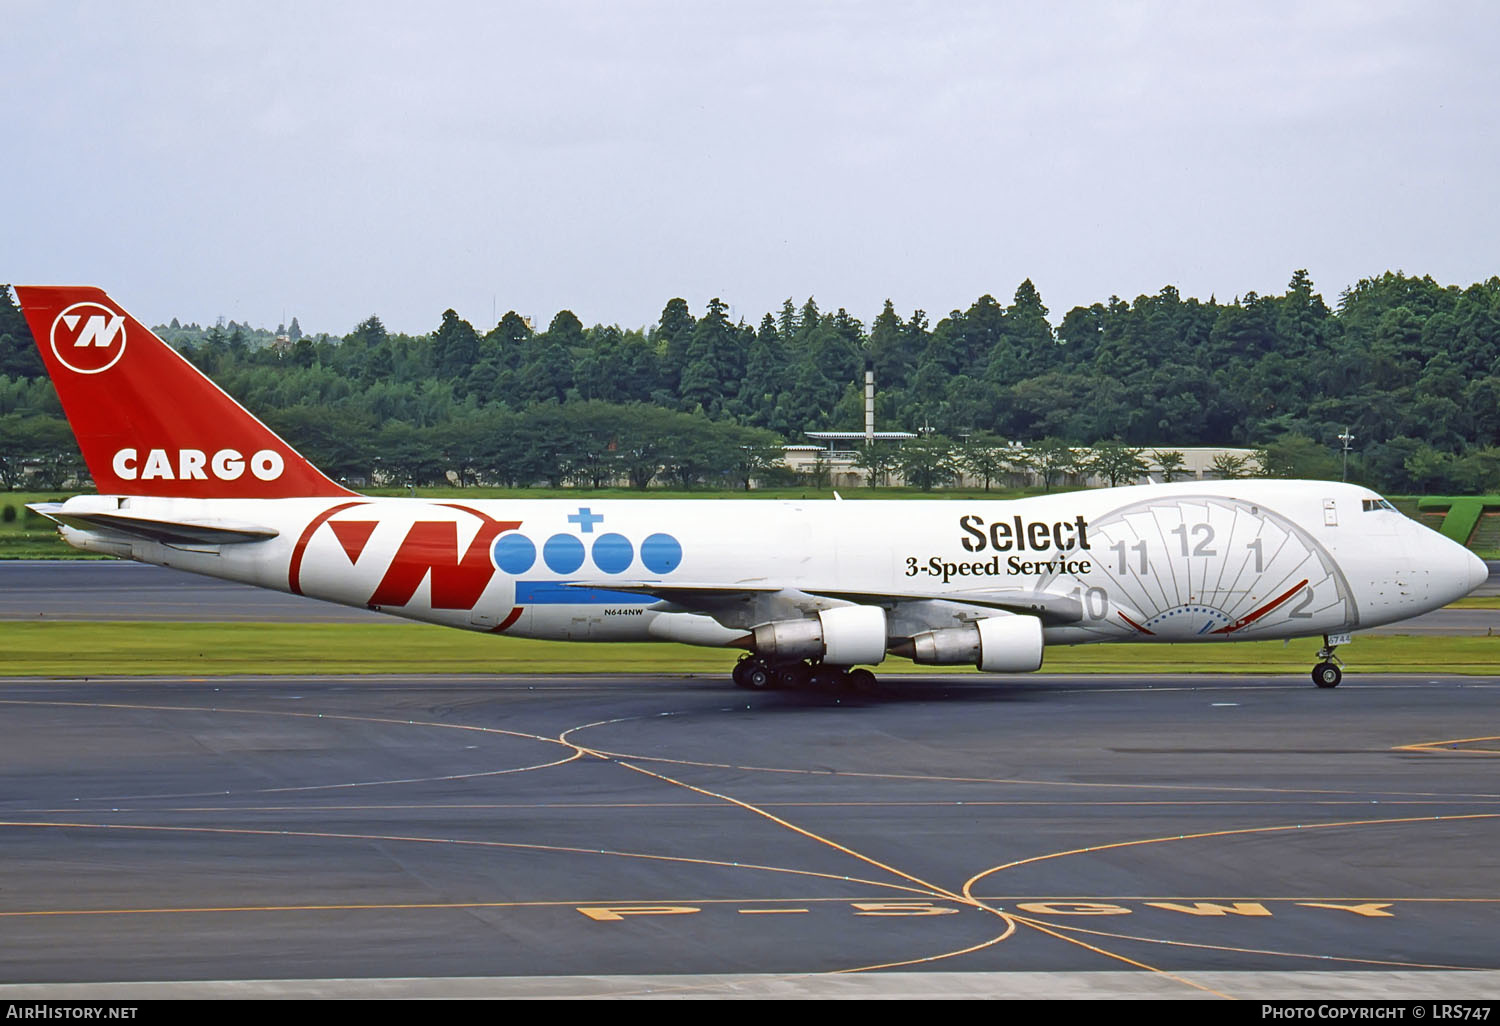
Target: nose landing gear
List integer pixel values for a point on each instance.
(1327, 673)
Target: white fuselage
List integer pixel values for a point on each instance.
(1196, 561)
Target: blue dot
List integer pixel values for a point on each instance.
(661, 553)
(514, 553)
(563, 553)
(613, 553)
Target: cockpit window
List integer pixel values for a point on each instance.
(1370, 505)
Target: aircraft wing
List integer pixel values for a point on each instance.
(1052, 609)
(211, 531)
(772, 601)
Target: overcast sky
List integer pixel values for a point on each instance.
(261, 160)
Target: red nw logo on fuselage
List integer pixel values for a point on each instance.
(430, 549)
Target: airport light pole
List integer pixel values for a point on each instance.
(1346, 438)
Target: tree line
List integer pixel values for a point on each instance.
(1408, 367)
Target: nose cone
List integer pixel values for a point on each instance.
(1479, 571)
(1455, 571)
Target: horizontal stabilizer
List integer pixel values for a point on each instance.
(207, 531)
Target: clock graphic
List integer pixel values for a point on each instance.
(1205, 568)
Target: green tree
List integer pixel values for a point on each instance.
(1171, 462)
(891, 356)
(1052, 459)
(877, 460)
(41, 443)
(370, 331)
(819, 472)
(1229, 466)
(1116, 462)
(672, 337)
(927, 462)
(984, 456)
(1477, 472)
(456, 346)
(18, 353)
(508, 343)
(1028, 330)
(757, 456)
(714, 363)
(1295, 456)
(765, 378)
(338, 439)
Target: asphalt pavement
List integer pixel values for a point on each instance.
(432, 836)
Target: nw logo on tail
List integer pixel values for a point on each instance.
(88, 337)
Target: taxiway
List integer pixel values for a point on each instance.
(1163, 836)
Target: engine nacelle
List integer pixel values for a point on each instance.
(998, 644)
(846, 636)
(948, 647)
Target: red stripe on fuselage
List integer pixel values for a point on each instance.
(1250, 618)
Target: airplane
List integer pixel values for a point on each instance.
(812, 591)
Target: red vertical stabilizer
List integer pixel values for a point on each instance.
(147, 421)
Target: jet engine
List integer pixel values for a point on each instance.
(846, 636)
(999, 644)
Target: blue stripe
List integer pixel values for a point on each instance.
(559, 593)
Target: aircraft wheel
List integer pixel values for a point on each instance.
(861, 680)
(1327, 675)
(795, 676)
(827, 678)
(752, 674)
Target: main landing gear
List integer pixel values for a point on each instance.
(756, 674)
(1327, 673)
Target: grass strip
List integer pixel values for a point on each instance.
(89, 649)
(1476, 602)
